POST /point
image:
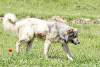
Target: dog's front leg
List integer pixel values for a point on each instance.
(67, 51)
(46, 47)
(18, 47)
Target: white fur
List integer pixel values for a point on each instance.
(9, 20)
(28, 27)
(24, 28)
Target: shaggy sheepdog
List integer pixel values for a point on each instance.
(29, 28)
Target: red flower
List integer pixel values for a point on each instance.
(10, 49)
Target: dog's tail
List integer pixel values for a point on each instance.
(9, 21)
(10, 17)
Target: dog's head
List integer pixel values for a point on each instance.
(72, 36)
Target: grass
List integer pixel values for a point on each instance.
(47, 8)
(87, 54)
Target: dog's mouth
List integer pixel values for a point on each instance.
(75, 43)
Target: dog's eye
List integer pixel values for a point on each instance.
(75, 36)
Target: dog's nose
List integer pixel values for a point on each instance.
(78, 42)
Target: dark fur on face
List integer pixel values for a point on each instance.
(73, 36)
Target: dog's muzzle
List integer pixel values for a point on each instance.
(75, 41)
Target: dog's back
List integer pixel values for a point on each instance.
(29, 27)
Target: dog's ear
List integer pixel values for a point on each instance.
(69, 31)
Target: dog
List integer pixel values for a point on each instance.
(64, 34)
(28, 28)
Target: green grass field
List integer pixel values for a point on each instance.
(47, 8)
(87, 54)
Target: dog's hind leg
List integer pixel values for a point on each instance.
(29, 45)
(67, 51)
(46, 47)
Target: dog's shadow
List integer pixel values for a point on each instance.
(56, 57)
